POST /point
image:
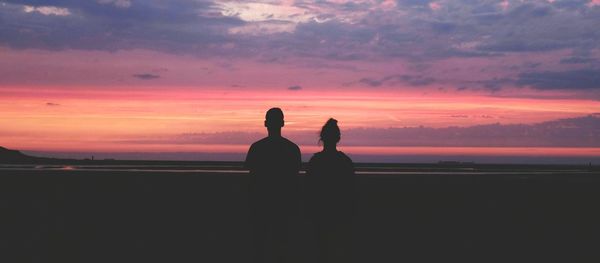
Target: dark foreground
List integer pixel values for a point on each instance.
(127, 216)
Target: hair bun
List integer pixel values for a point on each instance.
(331, 122)
(330, 131)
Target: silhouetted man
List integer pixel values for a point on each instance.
(274, 163)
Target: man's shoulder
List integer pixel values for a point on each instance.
(267, 142)
(260, 142)
(290, 143)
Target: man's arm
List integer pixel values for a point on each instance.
(250, 161)
(298, 158)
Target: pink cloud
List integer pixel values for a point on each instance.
(435, 6)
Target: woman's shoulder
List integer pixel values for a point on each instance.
(344, 157)
(338, 157)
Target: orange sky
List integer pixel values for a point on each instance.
(93, 119)
(160, 76)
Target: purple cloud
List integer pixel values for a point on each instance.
(146, 76)
(414, 31)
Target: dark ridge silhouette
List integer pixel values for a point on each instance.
(14, 156)
(8, 156)
(331, 197)
(274, 163)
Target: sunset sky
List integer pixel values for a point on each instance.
(477, 77)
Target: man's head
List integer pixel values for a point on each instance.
(274, 119)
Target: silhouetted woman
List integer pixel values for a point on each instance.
(331, 198)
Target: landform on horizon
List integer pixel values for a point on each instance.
(14, 156)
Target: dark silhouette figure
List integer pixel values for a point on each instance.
(331, 197)
(274, 163)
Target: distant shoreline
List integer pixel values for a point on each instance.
(8, 156)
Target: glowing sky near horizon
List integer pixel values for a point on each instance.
(135, 76)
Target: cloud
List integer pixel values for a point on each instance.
(571, 132)
(370, 82)
(402, 79)
(584, 79)
(578, 60)
(146, 76)
(175, 26)
(357, 33)
(416, 80)
(295, 87)
(496, 83)
(265, 18)
(47, 10)
(52, 104)
(581, 79)
(538, 27)
(117, 3)
(333, 30)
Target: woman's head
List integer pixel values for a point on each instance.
(330, 133)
